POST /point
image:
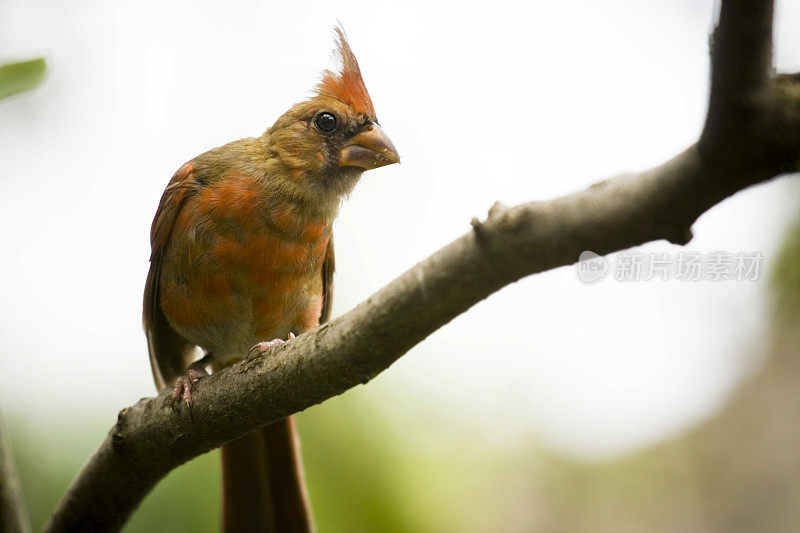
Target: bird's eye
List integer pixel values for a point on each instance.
(326, 122)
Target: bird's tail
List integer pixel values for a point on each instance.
(262, 482)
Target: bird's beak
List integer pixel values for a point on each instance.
(369, 149)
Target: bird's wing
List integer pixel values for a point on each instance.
(328, 265)
(169, 351)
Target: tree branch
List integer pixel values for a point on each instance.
(152, 437)
(13, 515)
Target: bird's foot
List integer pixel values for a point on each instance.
(263, 347)
(184, 384)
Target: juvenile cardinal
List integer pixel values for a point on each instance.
(242, 258)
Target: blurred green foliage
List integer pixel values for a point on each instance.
(359, 476)
(21, 76)
(354, 468)
(785, 278)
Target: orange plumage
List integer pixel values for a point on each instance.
(242, 253)
(347, 85)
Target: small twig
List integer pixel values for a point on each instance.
(13, 515)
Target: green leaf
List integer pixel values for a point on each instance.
(21, 76)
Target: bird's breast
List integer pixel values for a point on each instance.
(242, 267)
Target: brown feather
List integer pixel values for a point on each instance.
(262, 487)
(169, 352)
(328, 266)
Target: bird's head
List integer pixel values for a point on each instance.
(326, 142)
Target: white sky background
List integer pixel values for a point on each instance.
(514, 102)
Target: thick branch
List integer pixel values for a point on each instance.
(740, 95)
(741, 51)
(151, 437)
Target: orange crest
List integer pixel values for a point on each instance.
(346, 86)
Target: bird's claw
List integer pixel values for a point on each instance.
(184, 384)
(263, 347)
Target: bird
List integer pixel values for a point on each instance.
(242, 259)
